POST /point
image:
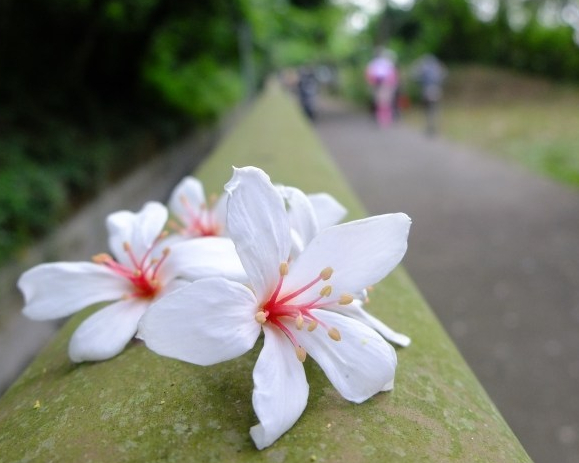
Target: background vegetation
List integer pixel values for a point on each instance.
(90, 88)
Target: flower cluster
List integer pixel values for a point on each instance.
(261, 258)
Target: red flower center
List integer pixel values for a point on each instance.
(281, 307)
(143, 274)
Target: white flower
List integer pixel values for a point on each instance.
(194, 217)
(143, 269)
(308, 214)
(213, 319)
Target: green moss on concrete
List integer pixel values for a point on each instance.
(142, 407)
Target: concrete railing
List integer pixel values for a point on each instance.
(145, 408)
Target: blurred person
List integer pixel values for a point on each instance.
(307, 88)
(382, 76)
(430, 74)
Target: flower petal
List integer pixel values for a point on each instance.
(257, 223)
(327, 209)
(206, 322)
(359, 365)
(187, 197)
(355, 310)
(361, 253)
(58, 289)
(106, 333)
(281, 390)
(139, 229)
(302, 218)
(200, 258)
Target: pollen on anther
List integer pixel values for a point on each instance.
(334, 334)
(260, 317)
(313, 325)
(126, 246)
(346, 299)
(326, 274)
(301, 353)
(101, 258)
(326, 291)
(283, 269)
(299, 322)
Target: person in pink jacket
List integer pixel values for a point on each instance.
(382, 75)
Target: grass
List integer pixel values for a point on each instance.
(525, 119)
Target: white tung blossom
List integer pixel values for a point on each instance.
(307, 215)
(291, 299)
(142, 268)
(193, 215)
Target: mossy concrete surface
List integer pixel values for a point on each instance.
(139, 407)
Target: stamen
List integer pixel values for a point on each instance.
(299, 322)
(301, 353)
(283, 269)
(213, 199)
(334, 334)
(260, 317)
(312, 326)
(345, 299)
(174, 225)
(165, 252)
(326, 274)
(326, 291)
(101, 258)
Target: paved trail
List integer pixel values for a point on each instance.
(495, 251)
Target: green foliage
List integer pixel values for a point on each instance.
(186, 74)
(32, 199)
(88, 84)
(201, 88)
(451, 30)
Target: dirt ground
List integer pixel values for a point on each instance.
(495, 251)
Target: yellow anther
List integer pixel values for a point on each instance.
(126, 246)
(101, 258)
(334, 334)
(137, 273)
(166, 251)
(313, 325)
(326, 274)
(326, 291)
(260, 317)
(299, 322)
(283, 269)
(301, 353)
(346, 299)
(174, 225)
(154, 261)
(164, 234)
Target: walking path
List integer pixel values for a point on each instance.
(495, 251)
